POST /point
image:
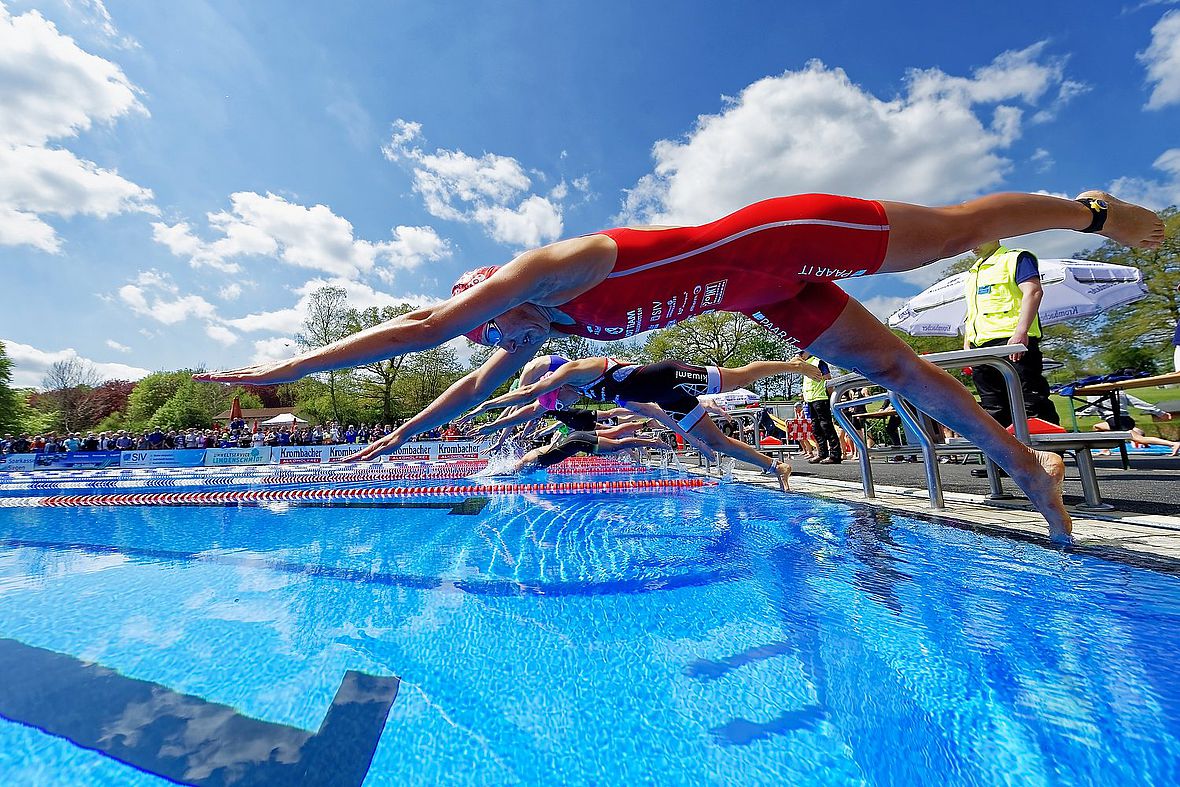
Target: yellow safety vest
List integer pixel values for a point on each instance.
(993, 298)
(814, 390)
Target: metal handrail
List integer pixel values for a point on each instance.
(995, 357)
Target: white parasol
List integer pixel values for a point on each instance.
(1073, 289)
(731, 400)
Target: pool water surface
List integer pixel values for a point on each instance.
(724, 635)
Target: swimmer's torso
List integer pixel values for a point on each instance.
(760, 255)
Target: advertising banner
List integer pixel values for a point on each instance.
(465, 449)
(16, 461)
(183, 458)
(89, 460)
(300, 454)
(434, 449)
(226, 457)
(412, 452)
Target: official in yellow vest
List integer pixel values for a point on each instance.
(819, 411)
(1003, 292)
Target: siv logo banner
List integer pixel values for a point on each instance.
(186, 458)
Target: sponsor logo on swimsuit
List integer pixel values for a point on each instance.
(635, 321)
(714, 293)
(830, 273)
(766, 323)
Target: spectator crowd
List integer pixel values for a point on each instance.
(235, 435)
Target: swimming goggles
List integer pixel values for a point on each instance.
(492, 335)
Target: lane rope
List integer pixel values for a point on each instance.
(367, 493)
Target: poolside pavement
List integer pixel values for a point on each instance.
(1143, 530)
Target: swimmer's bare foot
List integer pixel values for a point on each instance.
(1044, 491)
(783, 471)
(1128, 224)
(1176, 449)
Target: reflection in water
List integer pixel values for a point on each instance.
(185, 738)
(742, 732)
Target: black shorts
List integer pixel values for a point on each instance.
(672, 385)
(577, 420)
(1126, 423)
(571, 444)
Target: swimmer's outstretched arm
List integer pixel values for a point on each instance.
(472, 387)
(548, 276)
(518, 415)
(575, 373)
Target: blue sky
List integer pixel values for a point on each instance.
(175, 178)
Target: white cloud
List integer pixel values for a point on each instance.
(230, 292)
(30, 364)
(816, 130)
(278, 349)
(1162, 59)
(50, 90)
(881, 306)
(1042, 160)
(220, 334)
(94, 15)
(315, 238)
(489, 190)
(154, 295)
(284, 321)
(114, 345)
(1154, 193)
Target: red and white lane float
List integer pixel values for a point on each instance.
(369, 493)
(342, 473)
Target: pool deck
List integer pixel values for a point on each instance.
(1148, 536)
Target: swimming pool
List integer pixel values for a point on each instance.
(725, 635)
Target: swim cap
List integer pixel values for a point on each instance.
(466, 282)
(472, 278)
(549, 401)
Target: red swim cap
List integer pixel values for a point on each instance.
(472, 278)
(466, 282)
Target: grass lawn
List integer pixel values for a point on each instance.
(1167, 429)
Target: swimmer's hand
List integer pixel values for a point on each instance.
(386, 445)
(258, 374)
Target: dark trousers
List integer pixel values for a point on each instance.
(993, 394)
(824, 429)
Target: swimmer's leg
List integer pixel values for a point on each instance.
(919, 235)
(707, 432)
(609, 445)
(858, 341)
(743, 376)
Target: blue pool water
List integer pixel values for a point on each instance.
(728, 635)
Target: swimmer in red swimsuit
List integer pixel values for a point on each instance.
(776, 261)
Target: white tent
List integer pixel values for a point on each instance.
(1073, 289)
(284, 419)
(731, 400)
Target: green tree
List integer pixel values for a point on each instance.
(11, 404)
(329, 320)
(150, 394)
(425, 375)
(69, 386)
(724, 339)
(376, 381)
(1147, 323)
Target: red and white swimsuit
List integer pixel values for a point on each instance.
(774, 261)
